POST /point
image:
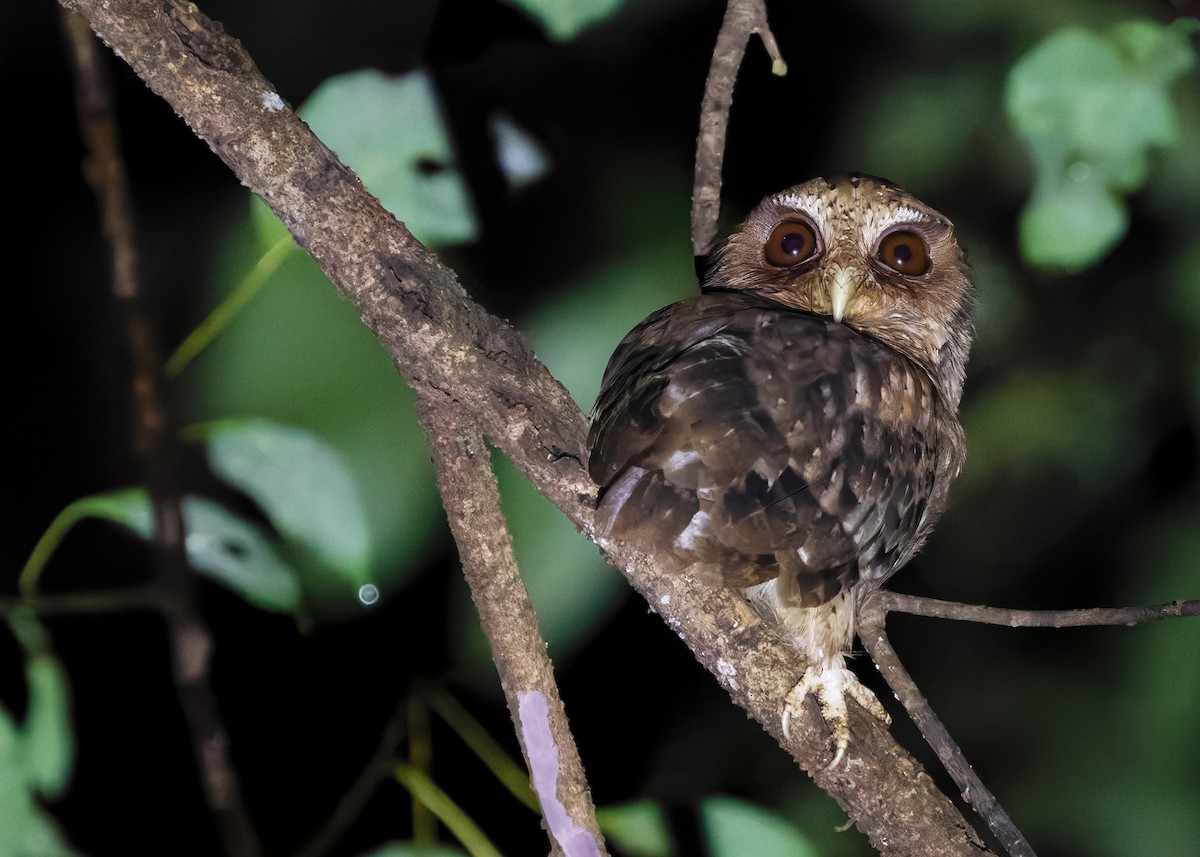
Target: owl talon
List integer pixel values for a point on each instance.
(830, 686)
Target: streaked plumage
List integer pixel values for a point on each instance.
(793, 429)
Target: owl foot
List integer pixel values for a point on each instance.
(830, 685)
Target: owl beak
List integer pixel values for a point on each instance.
(842, 284)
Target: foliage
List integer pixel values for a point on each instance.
(1090, 106)
(1063, 138)
(564, 19)
(36, 755)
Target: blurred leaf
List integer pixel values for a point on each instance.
(1071, 226)
(239, 555)
(522, 159)
(48, 739)
(1039, 420)
(565, 19)
(1090, 106)
(47, 742)
(638, 829)
(737, 829)
(390, 130)
(302, 485)
(232, 551)
(36, 757)
(300, 356)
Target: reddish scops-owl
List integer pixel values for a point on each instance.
(793, 428)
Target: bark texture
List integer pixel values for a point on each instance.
(449, 348)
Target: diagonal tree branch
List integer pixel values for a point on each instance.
(444, 342)
(472, 501)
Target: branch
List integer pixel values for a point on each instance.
(896, 602)
(743, 18)
(472, 501)
(871, 630)
(349, 808)
(872, 616)
(191, 643)
(446, 345)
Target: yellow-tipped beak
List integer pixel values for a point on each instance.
(842, 283)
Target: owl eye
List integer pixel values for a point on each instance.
(904, 252)
(792, 243)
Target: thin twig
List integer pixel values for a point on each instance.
(472, 500)
(743, 18)
(487, 749)
(874, 638)
(80, 603)
(191, 644)
(872, 617)
(420, 759)
(378, 768)
(896, 602)
(431, 795)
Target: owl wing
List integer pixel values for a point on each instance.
(736, 433)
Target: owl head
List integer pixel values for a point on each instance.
(866, 254)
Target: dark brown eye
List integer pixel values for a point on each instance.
(792, 243)
(904, 252)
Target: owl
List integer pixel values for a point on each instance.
(791, 432)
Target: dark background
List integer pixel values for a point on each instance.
(1061, 724)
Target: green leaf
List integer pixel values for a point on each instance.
(736, 828)
(638, 829)
(1072, 225)
(299, 355)
(390, 130)
(239, 555)
(303, 486)
(565, 19)
(232, 551)
(48, 739)
(1090, 107)
(37, 756)
(47, 742)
